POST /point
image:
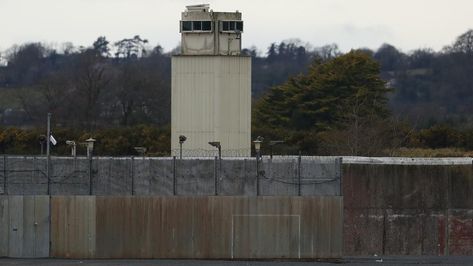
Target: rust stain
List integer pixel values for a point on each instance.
(441, 236)
(202, 227)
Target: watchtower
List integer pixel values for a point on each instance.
(211, 85)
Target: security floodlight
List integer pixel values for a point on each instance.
(182, 138)
(217, 145)
(73, 147)
(257, 142)
(42, 141)
(140, 150)
(90, 146)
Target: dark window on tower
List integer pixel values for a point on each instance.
(225, 25)
(186, 25)
(206, 25)
(232, 25)
(197, 25)
(239, 25)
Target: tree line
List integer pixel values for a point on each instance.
(87, 87)
(318, 100)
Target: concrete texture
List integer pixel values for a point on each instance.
(24, 226)
(400, 209)
(165, 176)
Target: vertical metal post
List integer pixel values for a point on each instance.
(299, 183)
(174, 183)
(215, 176)
(180, 150)
(340, 174)
(91, 185)
(5, 179)
(133, 175)
(48, 154)
(257, 174)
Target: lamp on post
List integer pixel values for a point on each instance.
(90, 146)
(73, 147)
(141, 150)
(271, 144)
(217, 145)
(257, 142)
(182, 139)
(42, 141)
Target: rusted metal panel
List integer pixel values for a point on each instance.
(218, 227)
(73, 226)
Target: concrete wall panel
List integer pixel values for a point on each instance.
(4, 226)
(238, 177)
(26, 226)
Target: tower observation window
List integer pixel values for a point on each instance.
(206, 26)
(196, 26)
(186, 26)
(232, 26)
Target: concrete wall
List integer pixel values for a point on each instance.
(211, 101)
(165, 176)
(24, 226)
(397, 208)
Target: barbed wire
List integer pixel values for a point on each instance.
(71, 177)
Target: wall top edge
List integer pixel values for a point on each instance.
(408, 160)
(276, 158)
(210, 55)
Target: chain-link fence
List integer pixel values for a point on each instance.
(288, 175)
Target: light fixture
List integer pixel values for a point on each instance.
(182, 139)
(73, 147)
(257, 142)
(217, 145)
(140, 150)
(90, 146)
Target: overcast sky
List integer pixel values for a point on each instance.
(407, 24)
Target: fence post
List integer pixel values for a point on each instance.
(299, 159)
(174, 183)
(257, 175)
(5, 179)
(132, 175)
(215, 176)
(339, 163)
(90, 176)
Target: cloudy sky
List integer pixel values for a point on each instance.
(407, 24)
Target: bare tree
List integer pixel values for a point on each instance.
(91, 80)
